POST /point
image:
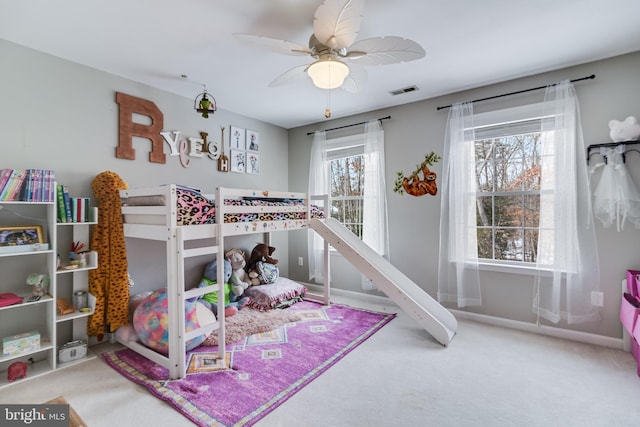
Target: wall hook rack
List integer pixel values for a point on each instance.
(610, 144)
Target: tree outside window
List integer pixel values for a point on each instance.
(507, 173)
(346, 184)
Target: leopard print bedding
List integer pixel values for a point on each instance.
(194, 208)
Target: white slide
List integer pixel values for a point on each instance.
(428, 312)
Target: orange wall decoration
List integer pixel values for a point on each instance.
(416, 186)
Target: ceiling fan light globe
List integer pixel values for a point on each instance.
(328, 73)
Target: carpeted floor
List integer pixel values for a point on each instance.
(488, 376)
(261, 371)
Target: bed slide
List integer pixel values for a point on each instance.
(428, 312)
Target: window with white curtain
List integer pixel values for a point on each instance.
(516, 194)
(351, 170)
(508, 158)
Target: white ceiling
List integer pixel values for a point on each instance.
(468, 43)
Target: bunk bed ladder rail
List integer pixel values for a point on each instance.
(177, 325)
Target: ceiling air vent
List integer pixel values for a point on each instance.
(404, 90)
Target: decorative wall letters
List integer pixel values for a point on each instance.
(128, 129)
(196, 147)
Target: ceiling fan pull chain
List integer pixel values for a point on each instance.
(327, 111)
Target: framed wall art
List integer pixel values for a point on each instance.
(237, 138)
(238, 160)
(253, 140)
(253, 162)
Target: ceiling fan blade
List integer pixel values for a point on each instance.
(337, 22)
(274, 45)
(291, 76)
(356, 79)
(384, 50)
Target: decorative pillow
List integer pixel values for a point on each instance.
(267, 273)
(283, 293)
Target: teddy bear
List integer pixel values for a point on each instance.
(240, 279)
(232, 301)
(262, 268)
(627, 130)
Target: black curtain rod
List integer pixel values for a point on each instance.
(592, 76)
(348, 126)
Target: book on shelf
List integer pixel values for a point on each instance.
(14, 185)
(79, 209)
(62, 212)
(67, 203)
(5, 174)
(27, 185)
(72, 209)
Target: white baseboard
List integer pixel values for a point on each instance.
(566, 334)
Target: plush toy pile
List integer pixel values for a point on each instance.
(234, 285)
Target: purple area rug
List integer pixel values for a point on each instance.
(266, 369)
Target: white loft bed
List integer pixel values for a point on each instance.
(157, 218)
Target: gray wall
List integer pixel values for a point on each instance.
(418, 128)
(59, 115)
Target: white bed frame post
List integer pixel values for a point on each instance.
(177, 355)
(220, 274)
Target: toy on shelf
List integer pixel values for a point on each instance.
(626, 130)
(16, 370)
(64, 307)
(40, 283)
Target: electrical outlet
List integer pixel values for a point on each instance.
(300, 261)
(597, 299)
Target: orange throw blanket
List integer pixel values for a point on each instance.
(109, 283)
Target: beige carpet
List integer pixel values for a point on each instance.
(489, 376)
(249, 321)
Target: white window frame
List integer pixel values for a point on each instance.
(527, 118)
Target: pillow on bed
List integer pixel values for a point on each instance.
(158, 200)
(283, 293)
(194, 208)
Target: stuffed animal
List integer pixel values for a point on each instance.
(239, 277)
(627, 130)
(232, 302)
(262, 268)
(261, 252)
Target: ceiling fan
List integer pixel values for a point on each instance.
(339, 60)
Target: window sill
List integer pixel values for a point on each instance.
(512, 268)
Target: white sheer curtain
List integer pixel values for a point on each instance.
(375, 223)
(375, 230)
(375, 227)
(318, 184)
(568, 267)
(458, 278)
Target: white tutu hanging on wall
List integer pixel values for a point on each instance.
(616, 197)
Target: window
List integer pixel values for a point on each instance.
(350, 170)
(508, 158)
(516, 193)
(346, 173)
(507, 173)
